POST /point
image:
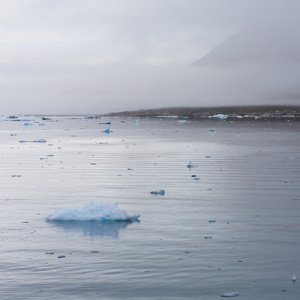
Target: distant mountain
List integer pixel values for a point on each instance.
(254, 47)
(258, 64)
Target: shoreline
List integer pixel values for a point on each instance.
(224, 112)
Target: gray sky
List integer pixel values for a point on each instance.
(97, 56)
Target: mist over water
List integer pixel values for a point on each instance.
(100, 57)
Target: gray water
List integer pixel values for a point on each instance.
(246, 180)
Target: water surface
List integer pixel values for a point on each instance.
(246, 180)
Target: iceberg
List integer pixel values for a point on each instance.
(94, 211)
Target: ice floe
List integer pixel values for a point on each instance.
(94, 211)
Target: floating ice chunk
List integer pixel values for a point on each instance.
(190, 165)
(212, 129)
(107, 130)
(35, 141)
(228, 295)
(158, 192)
(212, 221)
(220, 116)
(99, 211)
(107, 123)
(294, 278)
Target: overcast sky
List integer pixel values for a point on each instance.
(97, 56)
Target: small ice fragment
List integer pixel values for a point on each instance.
(212, 221)
(294, 278)
(61, 256)
(136, 121)
(15, 175)
(107, 130)
(190, 165)
(35, 141)
(212, 130)
(183, 121)
(92, 164)
(158, 192)
(208, 237)
(107, 123)
(228, 295)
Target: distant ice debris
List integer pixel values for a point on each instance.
(219, 116)
(191, 165)
(35, 141)
(294, 278)
(168, 117)
(228, 295)
(99, 211)
(212, 221)
(183, 121)
(158, 192)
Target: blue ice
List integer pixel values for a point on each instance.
(35, 141)
(107, 130)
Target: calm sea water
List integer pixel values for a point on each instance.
(246, 182)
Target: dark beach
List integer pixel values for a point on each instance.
(204, 112)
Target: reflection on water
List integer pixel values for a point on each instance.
(103, 229)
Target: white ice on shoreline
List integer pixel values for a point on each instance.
(94, 211)
(220, 116)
